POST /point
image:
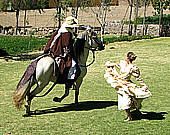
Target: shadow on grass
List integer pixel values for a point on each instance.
(148, 115)
(22, 57)
(83, 106)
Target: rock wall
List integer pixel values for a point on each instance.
(45, 22)
(115, 28)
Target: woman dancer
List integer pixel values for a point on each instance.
(130, 95)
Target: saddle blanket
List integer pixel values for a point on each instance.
(29, 71)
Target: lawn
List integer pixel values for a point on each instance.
(98, 112)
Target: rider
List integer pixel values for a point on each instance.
(60, 47)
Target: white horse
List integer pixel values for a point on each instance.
(85, 42)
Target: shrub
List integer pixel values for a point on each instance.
(153, 20)
(112, 38)
(14, 45)
(18, 44)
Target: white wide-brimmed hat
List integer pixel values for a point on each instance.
(70, 22)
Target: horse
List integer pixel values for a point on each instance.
(45, 67)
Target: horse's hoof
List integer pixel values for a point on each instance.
(56, 99)
(77, 103)
(28, 114)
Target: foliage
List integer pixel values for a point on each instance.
(61, 5)
(17, 44)
(18, 5)
(23, 4)
(97, 113)
(153, 20)
(111, 38)
(160, 4)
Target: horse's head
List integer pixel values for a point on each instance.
(87, 40)
(96, 43)
(90, 37)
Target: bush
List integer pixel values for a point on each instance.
(111, 38)
(17, 45)
(152, 20)
(14, 45)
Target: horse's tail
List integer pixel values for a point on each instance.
(19, 95)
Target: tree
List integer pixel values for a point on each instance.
(61, 6)
(146, 3)
(144, 16)
(136, 4)
(18, 5)
(130, 16)
(136, 16)
(124, 20)
(159, 6)
(101, 11)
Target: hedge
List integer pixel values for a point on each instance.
(165, 20)
(14, 45)
(111, 39)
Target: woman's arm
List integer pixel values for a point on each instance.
(136, 74)
(109, 64)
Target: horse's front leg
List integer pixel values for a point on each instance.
(78, 83)
(77, 96)
(56, 99)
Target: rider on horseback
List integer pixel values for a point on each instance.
(60, 47)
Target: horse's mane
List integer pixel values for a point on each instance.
(79, 47)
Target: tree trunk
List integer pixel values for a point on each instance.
(144, 19)
(59, 13)
(136, 16)
(25, 21)
(160, 18)
(17, 15)
(77, 7)
(130, 16)
(124, 20)
(101, 21)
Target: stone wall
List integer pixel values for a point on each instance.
(115, 28)
(45, 23)
(110, 28)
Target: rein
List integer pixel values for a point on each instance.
(93, 51)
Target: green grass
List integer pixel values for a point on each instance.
(98, 114)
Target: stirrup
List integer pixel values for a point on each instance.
(74, 87)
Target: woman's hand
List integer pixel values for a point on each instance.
(145, 88)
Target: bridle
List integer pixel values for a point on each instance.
(93, 49)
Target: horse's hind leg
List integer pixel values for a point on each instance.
(28, 102)
(27, 107)
(32, 94)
